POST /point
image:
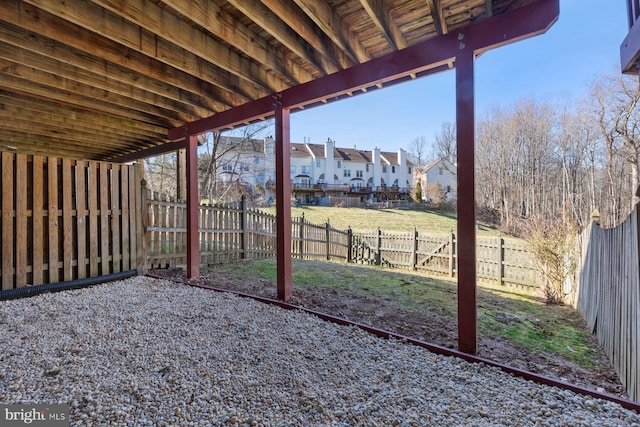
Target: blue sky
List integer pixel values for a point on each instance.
(556, 66)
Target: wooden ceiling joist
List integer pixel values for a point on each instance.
(163, 61)
(280, 24)
(379, 14)
(122, 73)
(210, 16)
(437, 13)
(431, 55)
(332, 25)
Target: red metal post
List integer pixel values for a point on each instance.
(283, 201)
(465, 127)
(193, 241)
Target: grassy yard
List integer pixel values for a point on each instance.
(519, 317)
(432, 222)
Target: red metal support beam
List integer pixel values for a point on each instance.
(283, 201)
(193, 203)
(465, 128)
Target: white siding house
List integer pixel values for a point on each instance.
(440, 172)
(321, 169)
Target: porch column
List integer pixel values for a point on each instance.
(283, 202)
(193, 242)
(465, 127)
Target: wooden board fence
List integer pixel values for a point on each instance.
(231, 232)
(606, 291)
(67, 219)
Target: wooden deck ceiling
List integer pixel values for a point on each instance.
(103, 78)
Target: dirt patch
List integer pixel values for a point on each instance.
(387, 314)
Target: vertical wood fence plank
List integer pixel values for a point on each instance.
(115, 218)
(135, 229)
(81, 218)
(126, 258)
(7, 220)
(37, 205)
(500, 260)
(67, 221)
(93, 218)
(54, 257)
(21, 220)
(104, 219)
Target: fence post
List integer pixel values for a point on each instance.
(301, 244)
(452, 238)
(243, 224)
(379, 247)
(349, 244)
(414, 253)
(500, 260)
(328, 241)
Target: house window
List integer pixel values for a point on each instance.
(339, 164)
(318, 163)
(384, 168)
(359, 174)
(367, 167)
(305, 169)
(228, 167)
(393, 169)
(439, 171)
(293, 169)
(409, 169)
(347, 173)
(256, 161)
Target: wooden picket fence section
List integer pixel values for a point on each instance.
(227, 232)
(233, 232)
(67, 219)
(606, 291)
(319, 241)
(506, 262)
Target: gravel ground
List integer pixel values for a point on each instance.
(152, 352)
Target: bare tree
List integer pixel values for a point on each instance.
(160, 173)
(418, 150)
(615, 100)
(446, 143)
(228, 156)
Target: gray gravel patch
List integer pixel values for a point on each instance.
(152, 352)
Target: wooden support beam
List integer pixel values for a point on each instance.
(283, 202)
(380, 16)
(437, 13)
(465, 127)
(193, 203)
(149, 152)
(282, 22)
(323, 15)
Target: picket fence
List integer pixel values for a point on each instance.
(235, 231)
(605, 289)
